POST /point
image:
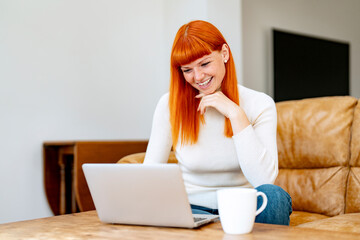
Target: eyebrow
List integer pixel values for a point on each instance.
(204, 59)
(201, 62)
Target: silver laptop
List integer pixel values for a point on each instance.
(142, 194)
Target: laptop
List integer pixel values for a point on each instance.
(142, 194)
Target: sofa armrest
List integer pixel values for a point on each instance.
(139, 158)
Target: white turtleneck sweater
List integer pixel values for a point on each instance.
(248, 159)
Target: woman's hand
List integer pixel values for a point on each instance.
(218, 101)
(226, 107)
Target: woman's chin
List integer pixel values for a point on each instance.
(212, 88)
(207, 91)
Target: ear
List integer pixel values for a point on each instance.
(225, 52)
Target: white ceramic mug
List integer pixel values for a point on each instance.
(237, 209)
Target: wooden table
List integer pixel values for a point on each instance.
(86, 225)
(65, 185)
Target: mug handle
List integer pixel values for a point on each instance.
(263, 206)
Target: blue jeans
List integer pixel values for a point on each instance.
(277, 211)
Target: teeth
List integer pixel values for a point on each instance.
(204, 83)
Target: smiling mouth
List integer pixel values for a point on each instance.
(203, 84)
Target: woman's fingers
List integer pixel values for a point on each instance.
(200, 95)
(204, 103)
(217, 100)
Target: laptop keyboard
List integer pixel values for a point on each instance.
(198, 219)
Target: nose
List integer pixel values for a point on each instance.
(198, 74)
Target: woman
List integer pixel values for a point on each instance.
(223, 134)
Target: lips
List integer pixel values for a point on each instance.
(205, 84)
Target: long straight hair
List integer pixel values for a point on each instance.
(195, 40)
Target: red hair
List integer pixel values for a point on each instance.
(195, 40)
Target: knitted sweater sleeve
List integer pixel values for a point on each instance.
(160, 141)
(256, 146)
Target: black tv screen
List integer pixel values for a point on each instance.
(306, 67)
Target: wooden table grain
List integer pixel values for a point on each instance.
(86, 225)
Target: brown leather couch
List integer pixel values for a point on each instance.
(319, 160)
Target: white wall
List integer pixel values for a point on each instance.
(332, 19)
(84, 69)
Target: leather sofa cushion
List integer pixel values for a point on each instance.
(133, 158)
(313, 138)
(353, 190)
(315, 133)
(344, 223)
(319, 190)
(139, 158)
(299, 217)
(355, 139)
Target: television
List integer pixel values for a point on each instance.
(307, 66)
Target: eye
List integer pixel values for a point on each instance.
(205, 64)
(186, 70)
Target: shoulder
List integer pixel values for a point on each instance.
(256, 103)
(255, 98)
(165, 97)
(162, 106)
(163, 101)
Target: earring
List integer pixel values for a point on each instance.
(225, 61)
